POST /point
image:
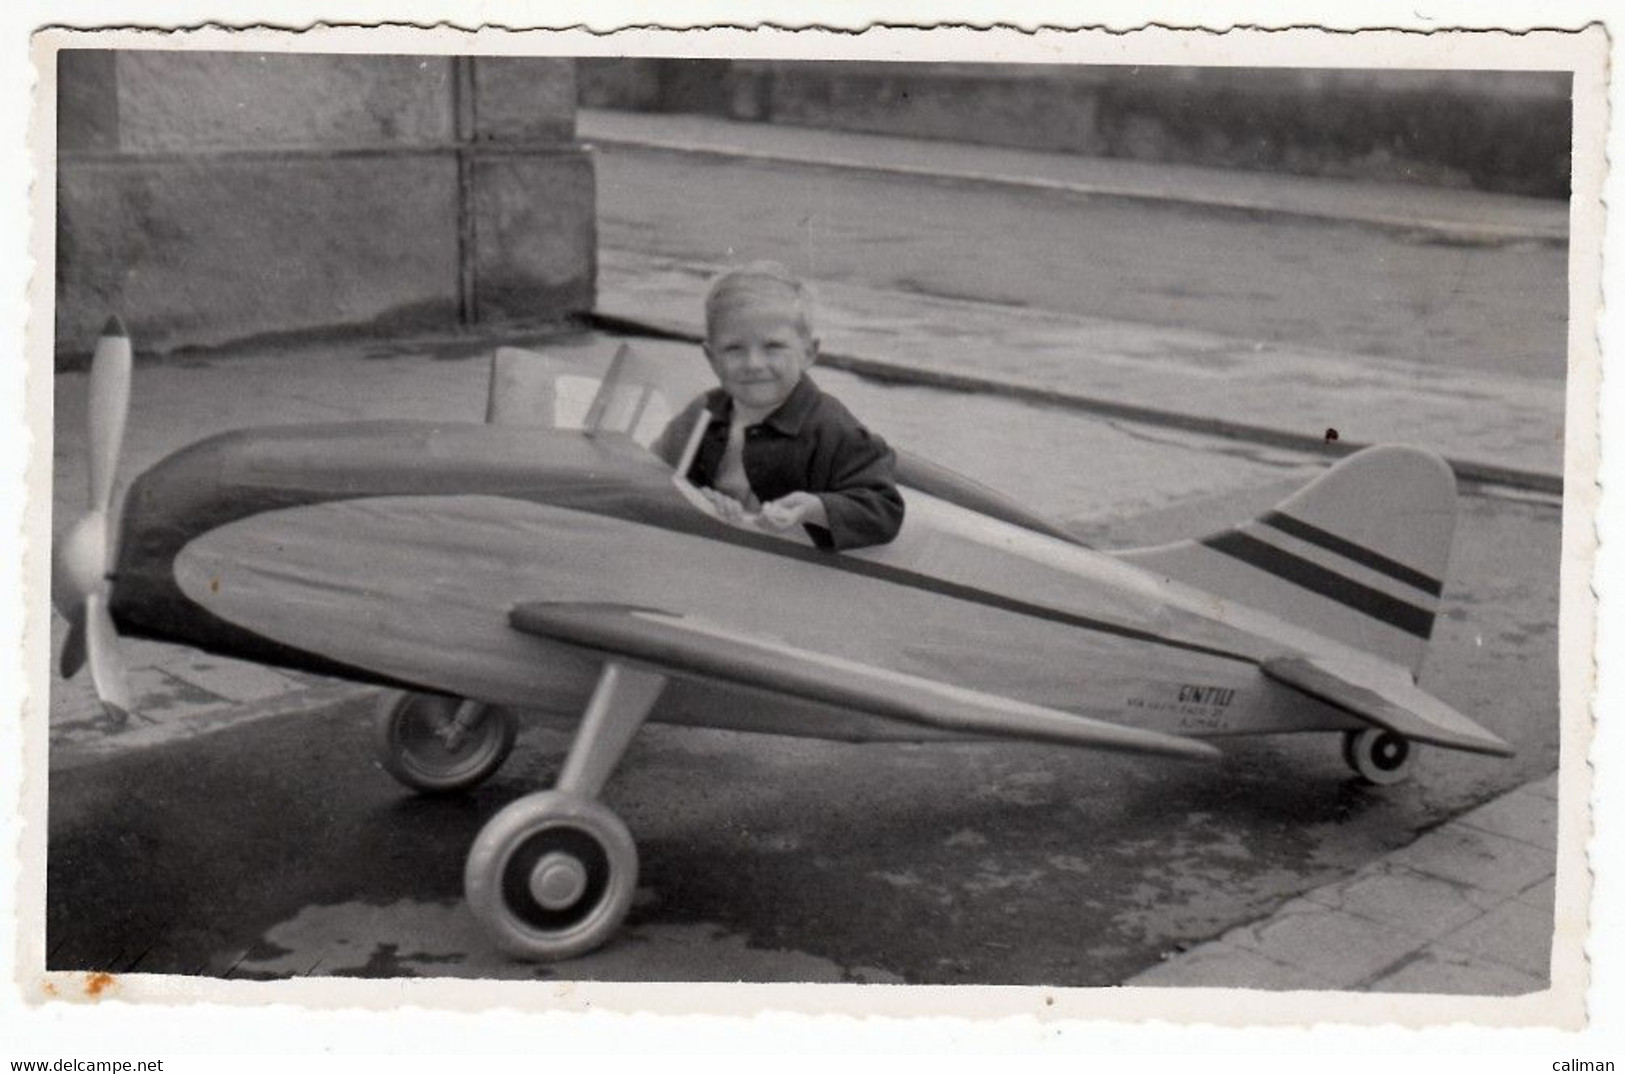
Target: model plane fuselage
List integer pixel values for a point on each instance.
(487, 567)
(409, 543)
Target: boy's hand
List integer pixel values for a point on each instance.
(729, 508)
(796, 509)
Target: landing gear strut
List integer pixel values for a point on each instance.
(552, 875)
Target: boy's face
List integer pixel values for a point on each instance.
(759, 348)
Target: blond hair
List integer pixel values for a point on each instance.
(748, 282)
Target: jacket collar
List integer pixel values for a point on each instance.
(787, 419)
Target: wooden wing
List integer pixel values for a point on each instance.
(688, 647)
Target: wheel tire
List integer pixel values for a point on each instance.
(1349, 738)
(1379, 757)
(410, 748)
(551, 876)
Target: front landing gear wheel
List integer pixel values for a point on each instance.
(437, 744)
(551, 876)
(1380, 757)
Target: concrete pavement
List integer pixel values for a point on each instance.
(1460, 215)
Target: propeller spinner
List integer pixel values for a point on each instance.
(82, 559)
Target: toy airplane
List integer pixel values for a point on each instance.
(476, 567)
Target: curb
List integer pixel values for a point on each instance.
(1472, 471)
(1466, 235)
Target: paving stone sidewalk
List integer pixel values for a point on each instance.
(1468, 909)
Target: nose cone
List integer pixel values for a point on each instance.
(79, 563)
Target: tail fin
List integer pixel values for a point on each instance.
(1358, 555)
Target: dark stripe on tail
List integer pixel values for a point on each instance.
(1357, 552)
(1326, 583)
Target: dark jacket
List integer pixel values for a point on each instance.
(811, 443)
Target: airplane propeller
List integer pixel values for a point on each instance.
(82, 559)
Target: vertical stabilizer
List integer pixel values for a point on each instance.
(1359, 554)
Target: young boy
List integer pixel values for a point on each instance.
(775, 447)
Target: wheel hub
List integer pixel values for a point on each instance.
(558, 880)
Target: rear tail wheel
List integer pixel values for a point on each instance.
(551, 876)
(1379, 756)
(436, 744)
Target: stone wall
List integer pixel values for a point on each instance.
(208, 197)
(1502, 131)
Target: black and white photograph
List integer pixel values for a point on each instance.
(857, 516)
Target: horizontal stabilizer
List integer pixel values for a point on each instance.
(1394, 703)
(684, 646)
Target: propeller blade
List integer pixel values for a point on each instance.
(80, 559)
(106, 665)
(73, 649)
(109, 407)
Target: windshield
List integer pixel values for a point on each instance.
(627, 392)
(638, 410)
